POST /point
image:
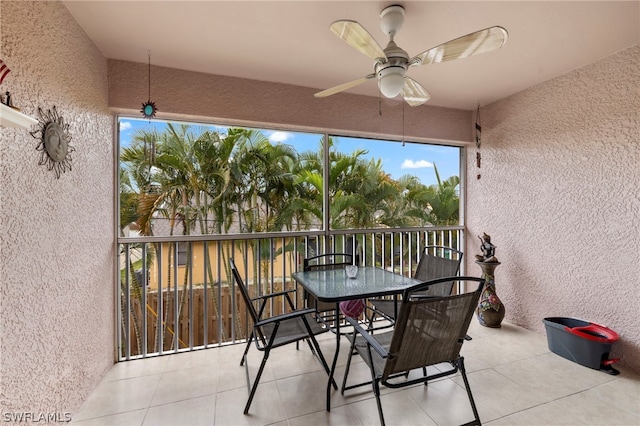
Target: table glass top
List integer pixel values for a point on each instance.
(334, 285)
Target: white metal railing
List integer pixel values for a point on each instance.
(174, 293)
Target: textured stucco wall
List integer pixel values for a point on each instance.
(229, 99)
(56, 236)
(559, 194)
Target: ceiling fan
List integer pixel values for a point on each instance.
(392, 63)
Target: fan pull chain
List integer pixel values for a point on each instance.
(478, 141)
(403, 123)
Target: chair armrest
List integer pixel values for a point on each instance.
(424, 296)
(371, 341)
(266, 297)
(284, 317)
(270, 295)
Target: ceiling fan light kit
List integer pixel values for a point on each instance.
(391, 81)
(392, 63)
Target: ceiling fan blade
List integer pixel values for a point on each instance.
(482, 41)
(413, 92)
(344, 86)
(359, 38)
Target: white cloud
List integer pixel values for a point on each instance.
(125, 125)
(279, 136)
(420, 164)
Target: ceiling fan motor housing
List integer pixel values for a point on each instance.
(391, 19)
(390, 72)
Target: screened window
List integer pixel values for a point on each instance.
(189, 178)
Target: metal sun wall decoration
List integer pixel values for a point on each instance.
(54, 147)
(149, 108)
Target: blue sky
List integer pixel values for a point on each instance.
(397, 160)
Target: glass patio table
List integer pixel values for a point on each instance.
(333, 286)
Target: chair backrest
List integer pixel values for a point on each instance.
(430, 331)
(438, 262)
(244, 291)
(327, 261)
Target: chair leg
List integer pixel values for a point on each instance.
(313, 350)
(375, 383)
(376, 391)
(346, 371)
(254, 387)
(246, 349)
(371, 318)
(463, 372)
(318, 353)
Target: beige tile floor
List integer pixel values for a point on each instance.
(514, 378)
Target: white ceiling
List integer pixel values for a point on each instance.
(290, 42)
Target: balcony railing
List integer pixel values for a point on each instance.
(175, 295)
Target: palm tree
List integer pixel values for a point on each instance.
(403, 209)
(359, 190)
(199, 180)
(443, 200)
(261, 187)
(179, 179)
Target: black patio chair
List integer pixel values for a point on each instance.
(275, 331)
(427, 331)
(435, 262)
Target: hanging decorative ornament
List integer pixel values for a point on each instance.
(149, 108)
(4, 70)
(478, 142)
